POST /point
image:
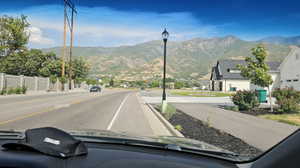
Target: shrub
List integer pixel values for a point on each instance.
(23, 90)
(63, 80)
(232, 108)
(53, 79)
(288, 100)
(18, 90)
(178, 128)
(170, 111)
(3, 92)
(245, 100)
(11, 91)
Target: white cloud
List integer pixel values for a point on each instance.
(102, 26)
(36, 37)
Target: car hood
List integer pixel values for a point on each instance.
(180, 141)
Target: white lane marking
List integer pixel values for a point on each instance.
(117, 113)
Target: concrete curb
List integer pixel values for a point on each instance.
(166, 123)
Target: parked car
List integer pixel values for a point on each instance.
(95, 89)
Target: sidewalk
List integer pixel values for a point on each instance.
(258, 132)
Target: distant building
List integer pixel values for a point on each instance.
(225, 76)
(290, 70)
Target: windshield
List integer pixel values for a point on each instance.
(217, 75)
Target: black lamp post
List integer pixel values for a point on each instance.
(165, 36)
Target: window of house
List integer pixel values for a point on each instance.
(289, 80)
(297, 56)
(296, 80)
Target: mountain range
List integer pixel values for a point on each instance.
(294, 40)
(185, 60)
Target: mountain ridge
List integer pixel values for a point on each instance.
(185, 59)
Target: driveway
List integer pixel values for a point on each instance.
(258, 132)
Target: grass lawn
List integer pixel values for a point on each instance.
(293, 119)
(201, 93)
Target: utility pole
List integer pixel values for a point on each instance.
(68, 4)
(71, 47)
(63, 56)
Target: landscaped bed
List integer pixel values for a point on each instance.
(292, 118)
(199, 130)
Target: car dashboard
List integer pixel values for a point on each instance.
(111, 156)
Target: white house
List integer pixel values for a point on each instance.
(225, 76)
(290, 70)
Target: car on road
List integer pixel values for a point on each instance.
(95, 89)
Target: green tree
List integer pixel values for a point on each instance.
(257, 70)
(154, 84)
(80, 68)
(30, 63)
(14, 34)
(179, 85)
(92, 82)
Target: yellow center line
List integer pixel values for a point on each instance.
(25, 116)
(35, 100)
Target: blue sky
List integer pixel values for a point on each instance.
(128, 22)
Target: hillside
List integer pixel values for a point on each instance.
(192, 58)
(294, 40)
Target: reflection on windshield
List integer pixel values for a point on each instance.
(177, 74)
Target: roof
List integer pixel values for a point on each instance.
(223, 67)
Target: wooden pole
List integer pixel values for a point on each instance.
(63, 56)
(71, 47)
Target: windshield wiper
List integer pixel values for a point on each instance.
(173, 147)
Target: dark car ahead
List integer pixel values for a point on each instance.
(95, 89)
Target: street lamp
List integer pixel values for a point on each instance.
(165, 36)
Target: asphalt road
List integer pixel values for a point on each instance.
(111, 110)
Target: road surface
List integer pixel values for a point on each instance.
(118, 111)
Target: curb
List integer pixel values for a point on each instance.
(167, 124)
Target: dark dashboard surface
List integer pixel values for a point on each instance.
(110, 155)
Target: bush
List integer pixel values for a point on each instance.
(3, 92)
(53, 79)
(23, 90)
(178, 128)
(11, 91)
(288, 100)
(245, 100)
(170, 111)
(63, 80)
(232, 108)
(18, 90)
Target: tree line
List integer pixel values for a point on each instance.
(17, 59)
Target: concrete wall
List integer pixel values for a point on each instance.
(290, 70)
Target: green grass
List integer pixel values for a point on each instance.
(201, 93)
(292, 119)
